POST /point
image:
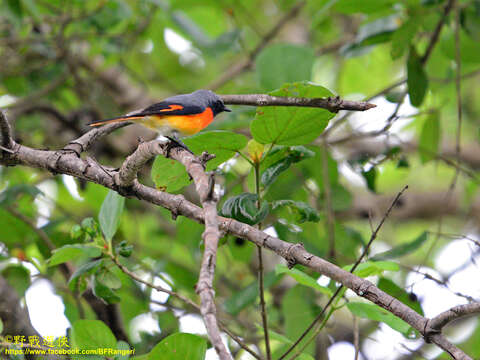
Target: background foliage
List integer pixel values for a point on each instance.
(66, 63)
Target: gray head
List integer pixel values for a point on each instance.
(212, 100)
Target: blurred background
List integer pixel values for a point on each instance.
(67, 63)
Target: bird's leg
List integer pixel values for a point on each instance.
(176, 142)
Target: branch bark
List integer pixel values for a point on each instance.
(332, 104)
(69, 162)
(437, 323)
(205, 186)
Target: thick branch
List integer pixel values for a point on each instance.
(438, 322)
(132, 165)
(69, 163)
(332, 104)
(204, 185)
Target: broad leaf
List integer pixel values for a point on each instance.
(283, 63)
(224, 144)
(417, 81)
(376, 313)
(243, 208)
(169, 175)
(73, 251)
(302, 278)
(403, 249)
(292, 155)
(241, 299)
(371, 33)
(110, 212)
(104, 292)
(17, 277)
(402, 38)
(302, 211)
(371, 268)
(429, 138)
(286, 125)
(180, 346)
(92, 334)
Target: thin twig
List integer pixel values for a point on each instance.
(237, 69)
(261, 288)
(186, 300)
(438, 322)
(359, 260)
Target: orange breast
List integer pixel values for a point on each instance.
(188, 124)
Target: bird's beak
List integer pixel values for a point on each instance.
(227, 109)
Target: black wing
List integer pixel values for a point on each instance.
(169, 108)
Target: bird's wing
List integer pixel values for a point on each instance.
(169, 108)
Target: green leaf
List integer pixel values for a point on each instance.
(400, 294)
(169, 175)
(370, 177)
(429, 138)
(74, 251)
(87, 268)
(417, 81)
(17, 277)
(291, 125)
(241, 299)
(283, 63)
(371, 268)
(376, 313)
(371, 33)
(110, 212)
(297, 311)
(108, 278)
(403, 249)
(180, 346)
(15, 7)
(92, 334)
(224, 144)
(11, 194)
(303, 212)
(293, 155)
(104, 292)
(302, 278)
(1, 326)
(243, 208)
(402, 38)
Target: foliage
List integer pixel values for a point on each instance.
(306, 174)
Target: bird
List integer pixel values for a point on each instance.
(176, 116)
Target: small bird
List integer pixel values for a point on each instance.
(180, 115)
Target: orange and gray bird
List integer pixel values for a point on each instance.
(180, 115)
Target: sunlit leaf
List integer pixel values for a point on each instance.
(291, 125)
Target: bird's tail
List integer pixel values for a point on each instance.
(115, 120)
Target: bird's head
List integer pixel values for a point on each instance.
(213, 101)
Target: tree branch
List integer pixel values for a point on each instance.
(436, 324)
(205, 184)
(332, 104)
(69, 162)
(7, 135)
